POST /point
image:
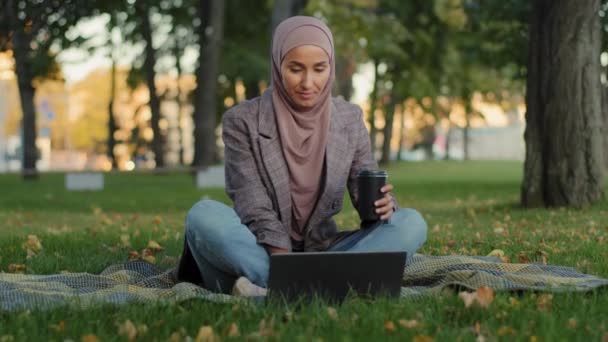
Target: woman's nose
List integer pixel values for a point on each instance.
(306, 80)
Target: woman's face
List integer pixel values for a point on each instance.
(305, 70)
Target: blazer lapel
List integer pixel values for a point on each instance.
(273, 158)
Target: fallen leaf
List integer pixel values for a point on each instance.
(409, 324)
(148, 256)
(451, 243)
(233, 330)
(544, 302)
(572, 323)
(505, 330)
(205, 334)
(482, 297)
(134, 255)
(332, 313)
(422, 338)
(59, 327)
(513, 302)
(500, 254)
(125, 240)
(127, 329)
(16, 268)
(89, 338)
(477, 328)
(157, 220)
(499, 230)
(32, 246)
(154, 246)
(390, 326)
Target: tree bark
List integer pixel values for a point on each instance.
(563, 165)
(389, 117)
(373, 99)
(605, 126)
(111, 117)
(21, 49)
(283, 9)
(206, 102)
(149, 63)
(467, 125)
(401, 132)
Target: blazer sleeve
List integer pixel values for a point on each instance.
(362, 159)
(244, 185)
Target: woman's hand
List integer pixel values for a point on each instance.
(384, 206)
(275, 250)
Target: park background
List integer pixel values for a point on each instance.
(478, 109)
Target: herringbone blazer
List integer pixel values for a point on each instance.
(257, 178)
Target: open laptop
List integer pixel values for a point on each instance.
(332, 275)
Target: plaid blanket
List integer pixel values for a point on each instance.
(139, 281)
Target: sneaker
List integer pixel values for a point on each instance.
(245, 288)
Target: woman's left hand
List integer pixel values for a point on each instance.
(384, 206)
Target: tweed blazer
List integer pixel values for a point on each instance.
(257, 177)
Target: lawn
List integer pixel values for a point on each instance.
(471, 209)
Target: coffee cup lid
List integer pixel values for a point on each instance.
(372, 173)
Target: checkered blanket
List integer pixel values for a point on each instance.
(139, 281)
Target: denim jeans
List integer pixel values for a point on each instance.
(225, 249)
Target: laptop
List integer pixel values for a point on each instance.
(331, 276)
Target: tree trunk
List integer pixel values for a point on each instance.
(206, 102)
(251, 89)
(111, 117)
(563, 165)
(149, 63)
(21, 49)
(283, 9)
(467, 125)
(373, 99)
(605, 126)
(447, 142)
(389, 116)
(401, 133)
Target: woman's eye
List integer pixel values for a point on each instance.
(320, 69)
(295, 70)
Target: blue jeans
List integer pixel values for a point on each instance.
(225, 249)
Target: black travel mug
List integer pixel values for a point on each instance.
(369, 183)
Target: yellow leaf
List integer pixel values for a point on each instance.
(483, 297)
(422, 338)
(157, 220)
(16, 268)
(153, 245)
(332, 313)
(125, 240)
(409, 324)
(390, 326)
(89, 338)
(127, 329)
(59, 327)
(233, 330)
(205, 334)
(572, 323)
(505, 330)
(32, 245)
(544, 302)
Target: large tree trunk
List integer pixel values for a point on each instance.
(21, 49)
(149, 63)
(111, 118)
(373, 99)
(401, 132)
(206, 99)
(563, 164)
(605, 126)
(283, 9)
(389, 116)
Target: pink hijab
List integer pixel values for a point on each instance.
(303, 134)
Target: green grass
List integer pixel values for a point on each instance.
(471, 209)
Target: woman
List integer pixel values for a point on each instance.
(289, 155)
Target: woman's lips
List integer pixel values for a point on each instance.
(306, 96)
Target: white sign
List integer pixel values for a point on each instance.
(212, 177)
(79, 181)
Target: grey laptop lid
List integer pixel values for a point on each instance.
(331, 275)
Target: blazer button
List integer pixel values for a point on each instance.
(335, 204)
